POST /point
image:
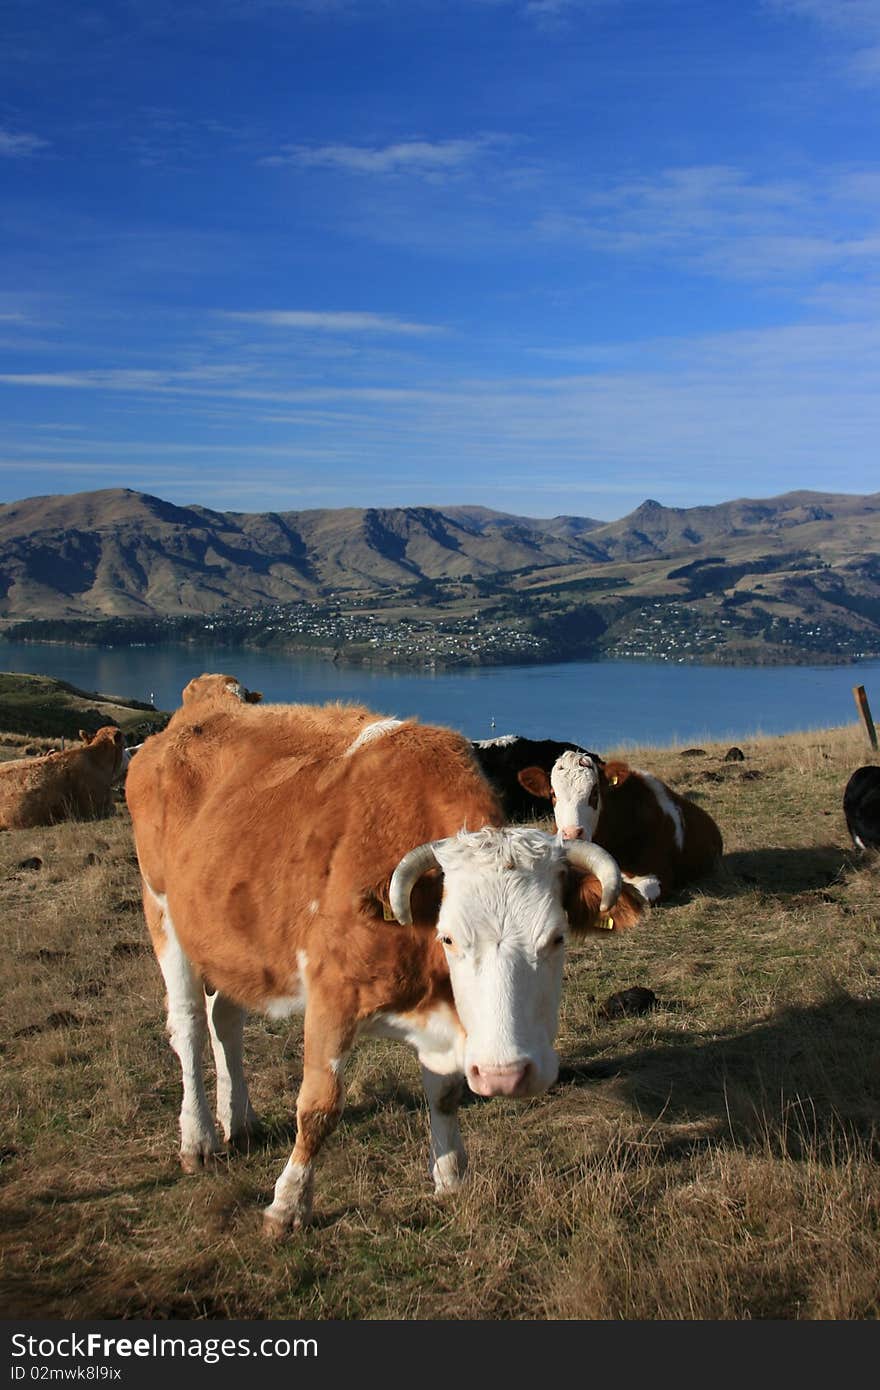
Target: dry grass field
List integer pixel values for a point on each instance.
(714, 1158)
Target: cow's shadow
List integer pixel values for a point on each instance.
(776, 870)
(805, 1081)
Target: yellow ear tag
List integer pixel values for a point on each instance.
(614, 781)
(608, 924)
(387, 913)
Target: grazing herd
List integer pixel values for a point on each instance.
(374, 875)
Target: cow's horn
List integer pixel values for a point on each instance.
(587, 855)
(403, 880)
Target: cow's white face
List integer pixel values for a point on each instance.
(503, 928)
(574, 779)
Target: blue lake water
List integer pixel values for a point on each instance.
(600, 704)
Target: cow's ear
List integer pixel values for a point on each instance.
(616, 773)
(536, 781)
(253, 697)
(582, 894)
(85, 736)
(425, 899)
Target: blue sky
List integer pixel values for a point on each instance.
(548, 256)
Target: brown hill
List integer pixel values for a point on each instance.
(118, 553)
(121, 553)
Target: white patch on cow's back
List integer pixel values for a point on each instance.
(666, 804)
(502, 741)
(283, 1005)
(377, 729)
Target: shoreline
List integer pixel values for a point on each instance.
(336, 657)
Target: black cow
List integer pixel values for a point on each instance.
(504, 759)
(861, 807)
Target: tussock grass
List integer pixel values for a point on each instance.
(715, 1158)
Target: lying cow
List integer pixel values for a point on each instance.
(660, 839)
(504, 760)
(861, 807)
(327, 861)
(74, 784)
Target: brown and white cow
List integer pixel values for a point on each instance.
(660, 839)
(355, 868)
(76, 783)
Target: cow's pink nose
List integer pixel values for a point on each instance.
(573, 832)
(499, 1081)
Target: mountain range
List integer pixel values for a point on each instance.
(800, 572)
(118, 553)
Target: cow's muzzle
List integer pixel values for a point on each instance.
(515, 1080)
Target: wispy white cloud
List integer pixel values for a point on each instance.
(772, 408)
(855, 24)
(129, 379)
(20, 144)
(330, 322)
(849, 16)
(723, 221)
(424, 158)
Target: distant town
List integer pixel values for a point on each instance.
(659, 631)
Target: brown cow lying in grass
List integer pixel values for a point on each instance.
(75, 784)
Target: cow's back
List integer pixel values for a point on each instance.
(861, 806)
(49, 788)
(26, 791)
(266, 825)
(652, 829)
(703, 845)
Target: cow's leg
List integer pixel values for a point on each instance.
(187, 1026)
(318, 1108)
(226, 1027)
(448, 1158)
(648, 885)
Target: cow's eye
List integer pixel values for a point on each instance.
(553, 943)
(447, 940)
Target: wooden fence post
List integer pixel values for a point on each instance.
(864, 710)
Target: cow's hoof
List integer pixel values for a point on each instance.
(194, 1160)
(449, 1174)
(250, 1133)
(277, 1226)
(273, 1228)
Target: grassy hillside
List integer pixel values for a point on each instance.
(716, 1158)
(44, 707)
